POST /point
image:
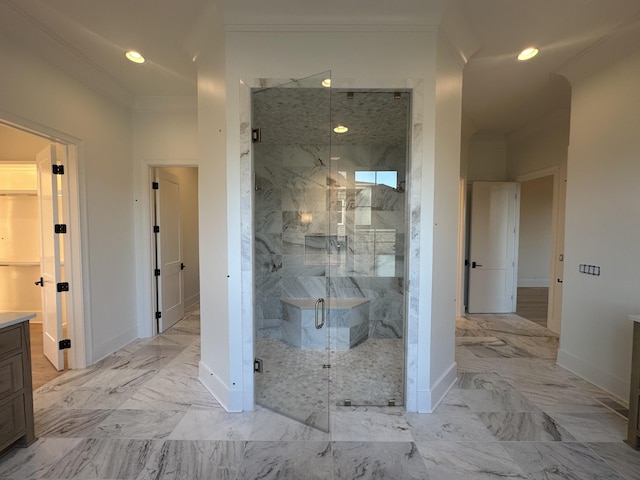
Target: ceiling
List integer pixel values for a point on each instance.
(87, 38)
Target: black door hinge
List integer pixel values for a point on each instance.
(62, 287)
(156, 272)
(64, 344)
(156, 229)
(158, 315)
(155, 185)
(257, 365)
(256, 135)
(57, 169)
(60, 228)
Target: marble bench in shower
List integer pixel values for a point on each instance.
(347, 320)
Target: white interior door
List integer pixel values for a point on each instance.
(169, 250)
(50, 258)
(493, 247)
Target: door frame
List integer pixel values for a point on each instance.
(553, 323)
(516, 242)
(76, 270)
(418, 396)
(145, 248)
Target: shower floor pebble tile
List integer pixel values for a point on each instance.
(507, 417)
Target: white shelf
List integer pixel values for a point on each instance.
(6, 193)
(19, 264)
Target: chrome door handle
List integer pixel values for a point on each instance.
(318, 302)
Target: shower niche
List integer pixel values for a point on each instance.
(329, 226)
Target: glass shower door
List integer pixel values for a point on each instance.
(291, 158)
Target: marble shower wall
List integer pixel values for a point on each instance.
(311, 221)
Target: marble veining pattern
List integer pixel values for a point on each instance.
(489, 436)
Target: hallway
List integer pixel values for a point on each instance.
(142, 414)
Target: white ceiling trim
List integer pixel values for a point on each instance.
(330, 28)
(614, 46)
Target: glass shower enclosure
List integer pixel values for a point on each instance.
(329, 239)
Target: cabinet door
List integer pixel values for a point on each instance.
(11, 376)
(12, 420)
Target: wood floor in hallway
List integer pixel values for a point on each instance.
(41, 369)
(532, 304)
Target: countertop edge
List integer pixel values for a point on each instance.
(13, 318)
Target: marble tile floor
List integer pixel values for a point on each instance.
(141, 414)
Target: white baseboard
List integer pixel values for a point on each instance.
(114, 344)
(192, 300)
(231, 400)
(428, 400)
(533, 282)
(617, 387)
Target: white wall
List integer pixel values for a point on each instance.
(405, 55)
(35, 93)
(487, 159)
(602, 226)
(215, 252)
(446, 221)
(534, 250)
(539, 146)
(165, 133)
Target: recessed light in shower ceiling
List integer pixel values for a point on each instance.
(341, 129)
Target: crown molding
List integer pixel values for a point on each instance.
(348, 28)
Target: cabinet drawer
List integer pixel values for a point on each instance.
(10, 339)
(11, 377)
(12, 421)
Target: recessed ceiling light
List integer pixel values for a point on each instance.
(341, 129)
(326, 82)
(134, 56)
(528, 53)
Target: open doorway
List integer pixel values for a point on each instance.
(534, 250)
(174, 244)
(538, 239)
(38, 270)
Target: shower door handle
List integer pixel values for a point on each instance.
(321, 324)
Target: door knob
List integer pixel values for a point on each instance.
(182, 266)
(474, 265)
(40, 282)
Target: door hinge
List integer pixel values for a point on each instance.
(155, 185)
(156, 229)
(156, 272)
(256, 135)
(158, 315)
(64, 344)
(57, 169)
(62, 287)
(257, 365)
(60, 228)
